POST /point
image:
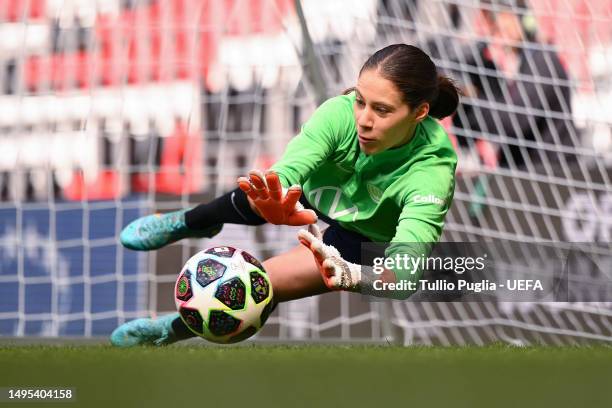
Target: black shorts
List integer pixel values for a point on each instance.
(348, 243)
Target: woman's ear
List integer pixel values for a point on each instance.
(422, 112)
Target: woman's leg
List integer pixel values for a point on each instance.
(205, 220)
(294, 275)
(230, 208)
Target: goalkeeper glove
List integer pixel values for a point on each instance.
(273, 203)
(337, 273)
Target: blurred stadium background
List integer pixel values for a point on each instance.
(114, 109)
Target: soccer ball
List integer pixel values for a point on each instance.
(223, 294)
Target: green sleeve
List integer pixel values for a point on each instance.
(319, 138)
(428, 197)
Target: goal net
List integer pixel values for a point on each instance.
(114, 109)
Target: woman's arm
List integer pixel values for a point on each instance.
(274, 196)
(429, 192)
(328, 129)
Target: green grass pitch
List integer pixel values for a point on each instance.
(313, 376)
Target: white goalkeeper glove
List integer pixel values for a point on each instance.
(337, 273)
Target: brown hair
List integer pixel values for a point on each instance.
(416, 77)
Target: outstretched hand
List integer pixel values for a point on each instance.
(266, 195)
(337, 273)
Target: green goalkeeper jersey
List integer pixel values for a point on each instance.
(398, 195)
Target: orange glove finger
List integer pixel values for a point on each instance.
(257, 180)
(302, 217)
(274, 185)
(293, 195)
(245, 185)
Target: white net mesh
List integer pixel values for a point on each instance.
(114, 109)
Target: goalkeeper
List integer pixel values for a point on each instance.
(373, 163)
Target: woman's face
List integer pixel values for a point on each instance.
(384, 120)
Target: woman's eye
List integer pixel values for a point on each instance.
(382, 110)
(359, 102)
